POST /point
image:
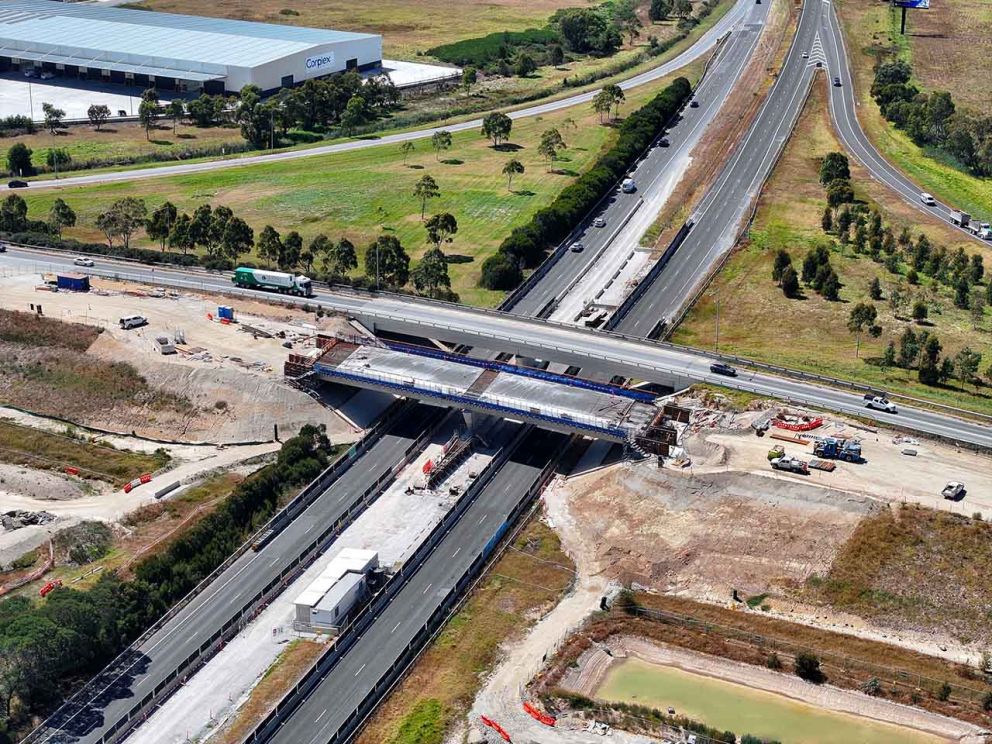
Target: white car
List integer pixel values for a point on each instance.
(879, 403)
(628, 186)
(577, 248)
(928, 199)
(47, 75)
(599, 222)
(953, 491)
(83, 261)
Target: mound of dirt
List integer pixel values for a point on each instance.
(16, 480)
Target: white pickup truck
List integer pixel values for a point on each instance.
(879, 403)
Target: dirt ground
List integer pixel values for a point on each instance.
(233, 377)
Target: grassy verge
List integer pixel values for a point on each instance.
(361, 194)
(23, 445)
(441, 686)
(871, 29)
(758, 321)
(915, 568)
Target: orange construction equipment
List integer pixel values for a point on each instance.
(496, 727)
(540, 715)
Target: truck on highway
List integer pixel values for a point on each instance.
(980, 229)
(959, 218)
(272, 281)
(837, 448)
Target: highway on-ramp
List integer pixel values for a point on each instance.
(698, 49)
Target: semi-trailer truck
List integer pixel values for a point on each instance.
(272, 281)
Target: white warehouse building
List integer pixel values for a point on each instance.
(172, 52)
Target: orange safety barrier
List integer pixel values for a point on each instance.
(540, 715)
(128, 487)
(145, 477)
(803, 426)
(496, 727)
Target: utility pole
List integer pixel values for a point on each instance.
(716, 342)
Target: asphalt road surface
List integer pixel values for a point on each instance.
(694, 52)
(89, 720)
(347, 684)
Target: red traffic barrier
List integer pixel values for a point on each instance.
(128, 487)
(72, 470)
(49, 587)
(496, 727)
(145, 477)
(808, 425)
(540, 715)
(428, 466)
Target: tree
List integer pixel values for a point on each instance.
(123, 218)
(966, 364)
(98, 114)
(499, 272)
(469, 78)
(782, 261)
(175, 111)
(425, 189)
(497, 126)
(834, 166)
(146, 115)
(875, 289)
(625, 18)
(962, 293)
(53, 117)
(355, 114)
(889, 355)
(57, 157)
(929, 372)
(524, 66)
(431, 274)
(440, 228)
(839, 192)
(386, 260)
(616, 96)
(556, 55)
(236, 239)
(682, 9)
(790, 282)
(60, 216)
(976, 268)
(19, 160)
(807, 666)
(269, 244)
(340, 258)
(551, 143)
(977, 309)
(13, 214)
(862, 318)
(512, 168)
(909, 348)
(602, 102)
(920, 311)
(159, 225)
(406, 148)
(255, 117)
(585, 30)
(659, 10)
(179, 236)
(292, 249)
(827, 221)
(440, 141)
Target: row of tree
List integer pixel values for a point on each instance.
(932, 119)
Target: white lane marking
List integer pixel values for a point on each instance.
(323, 713)
(360, 670)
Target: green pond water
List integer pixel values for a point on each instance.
(729, 706)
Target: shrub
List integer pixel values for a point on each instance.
(807, 667)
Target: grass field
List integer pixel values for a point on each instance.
(441, 686)
(24, 445)
(121, 141)
(758, 321)
(407, 26)
(916, 568)
(364, 193)
(949, 47)
(729, 706)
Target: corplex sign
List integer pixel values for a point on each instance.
(320, 62)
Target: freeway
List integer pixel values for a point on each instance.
(87, 719)
(596, 352)
(701, 47)
(328, 711)
(843, 111)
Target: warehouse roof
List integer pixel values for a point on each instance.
(113, 34)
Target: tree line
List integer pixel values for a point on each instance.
(933, 119)
(50, 647)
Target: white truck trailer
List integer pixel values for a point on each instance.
(272, 281)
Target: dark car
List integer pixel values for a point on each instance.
(693, 103)
(17, 184)
(836, 82)
(719, 368)
(3, 247)
(663, 142)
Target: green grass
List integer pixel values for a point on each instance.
(423, 725)
(729, 706)
(23, 445)
(363, 193)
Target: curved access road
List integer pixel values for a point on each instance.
(702, 46)
(843, 111)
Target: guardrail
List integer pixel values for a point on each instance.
(354, 631)
(127, 659)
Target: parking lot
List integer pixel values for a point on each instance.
(21, 96)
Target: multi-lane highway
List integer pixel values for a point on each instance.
(698, 49)
(89, 718)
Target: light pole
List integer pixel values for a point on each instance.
(31, 100)
(716, 342)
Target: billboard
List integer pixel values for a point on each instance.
(916, 4)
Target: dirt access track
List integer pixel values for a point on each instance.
(232, 377)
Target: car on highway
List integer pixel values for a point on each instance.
(628, 186)
(805, 55)
(836, 81)
(17, 184)
(954, 491)
(599, 222)
(83, 261)
(719, 368)
(928, 199)
(663, 142)
(577, 247)
(879, 403)
(3, 247)
(693, 103)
